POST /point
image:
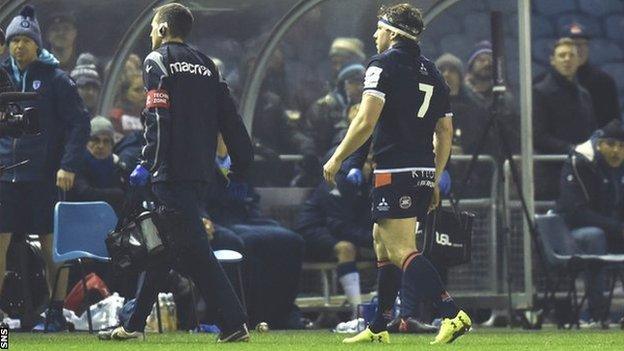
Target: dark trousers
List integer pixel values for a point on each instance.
(196, 260)
(274, 258)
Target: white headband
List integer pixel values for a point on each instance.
(383, 22)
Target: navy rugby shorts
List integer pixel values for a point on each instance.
(402, 193)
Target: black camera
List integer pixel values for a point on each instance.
(15, 120)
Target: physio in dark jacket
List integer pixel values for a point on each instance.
(28, 193)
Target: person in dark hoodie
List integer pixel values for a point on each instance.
(102, 178)
(28, 193)
(591, 203)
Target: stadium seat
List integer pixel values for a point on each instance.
(562, 263)
(600, 8)
(553, 7)
(477, 25)
(79, 232)
(604, 51)
(614, 26)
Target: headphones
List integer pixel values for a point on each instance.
(162, 29)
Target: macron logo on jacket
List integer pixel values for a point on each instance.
(192, 68)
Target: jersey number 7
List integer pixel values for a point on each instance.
(428, 90)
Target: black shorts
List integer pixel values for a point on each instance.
(402, 194)
(27, 207)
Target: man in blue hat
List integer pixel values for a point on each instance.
(28, 193)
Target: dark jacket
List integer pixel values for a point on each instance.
(603, 92)
(563, 115)
(591, 192)
(100, 180)
(344, 210)
(63, 119)
(469, 119)
(187, 106)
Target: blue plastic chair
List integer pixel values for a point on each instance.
(80, 229)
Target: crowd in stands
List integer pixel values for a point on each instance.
(575, 112)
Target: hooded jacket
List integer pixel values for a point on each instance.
(63, 120)
(591, 192)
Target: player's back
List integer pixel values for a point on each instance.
(416, 96)
(192, 83)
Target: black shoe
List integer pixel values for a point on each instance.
(240, 334)
(410, 325)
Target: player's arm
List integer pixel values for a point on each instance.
(442, 144)
(360, 130)
(156, 113)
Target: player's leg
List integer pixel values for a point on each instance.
(388, 284)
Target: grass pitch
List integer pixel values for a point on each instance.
(479, 340)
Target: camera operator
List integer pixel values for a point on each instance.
(28, 193)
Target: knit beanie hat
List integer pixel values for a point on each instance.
(86, 71)
(613, 130)
(25, 24)
(347, 47)
(102, 125)
(483, 47)
(450, 61)
(355, 71)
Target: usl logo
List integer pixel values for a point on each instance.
(443, 239)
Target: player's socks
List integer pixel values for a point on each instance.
(350, 280)
(388, 285)
(422, 281)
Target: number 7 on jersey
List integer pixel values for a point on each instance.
(428, 90)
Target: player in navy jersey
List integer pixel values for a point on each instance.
(405, 102)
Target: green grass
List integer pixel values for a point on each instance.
(481, 340)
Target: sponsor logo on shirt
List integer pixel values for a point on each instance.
(405, 202)
(192, 68)
(383, 205)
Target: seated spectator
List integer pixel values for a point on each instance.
(62, 34)
(592, 185)
(599, 84)
(328, 115)
(88, 81)
(335, 223)
(102, 175)
(591, 203)
(344, 52)
(562, 109)
(130, 100)
(469, 118)
(274, 256)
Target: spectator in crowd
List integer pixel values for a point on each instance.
(469, 118)
(130, 100)
(102, 177)
(598, 83)
(591, 203)
(2, 40)
(479, 79)
(88, 81)
(328, 115)
(592, 185)
(563, 115)
(274, 256)
(28, 193)
(336, 223)
(344, 52)
(62, 34)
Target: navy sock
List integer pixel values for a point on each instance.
(388, 284)
(422, 282)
